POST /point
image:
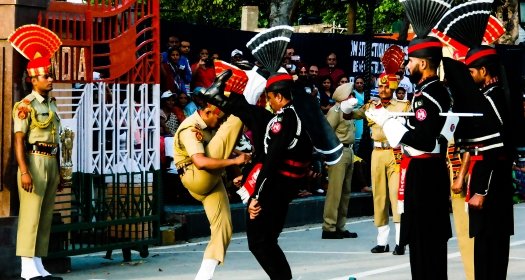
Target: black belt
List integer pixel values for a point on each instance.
(347, 145)
(48, 149)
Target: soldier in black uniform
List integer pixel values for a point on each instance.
(423, 202)
(487, 159)
(284, 149)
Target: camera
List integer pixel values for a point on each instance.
(208, 62)
(295, 58)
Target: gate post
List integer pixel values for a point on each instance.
(12, 65)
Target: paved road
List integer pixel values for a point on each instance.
(310, 258)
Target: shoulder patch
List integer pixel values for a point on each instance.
(22, 109)
(276, 127)
(421, 114)
(198, 132)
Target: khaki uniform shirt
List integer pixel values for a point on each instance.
(188, 142)
(36, 117)
(344, 129)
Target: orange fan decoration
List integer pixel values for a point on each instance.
(36, 43)
(239, 79)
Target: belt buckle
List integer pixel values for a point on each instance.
(54, 151)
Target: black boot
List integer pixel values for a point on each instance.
(215, 93)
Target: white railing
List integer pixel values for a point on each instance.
(115, 125)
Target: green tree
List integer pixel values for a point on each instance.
(227, 13)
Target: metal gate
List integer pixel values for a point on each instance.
(107, 90)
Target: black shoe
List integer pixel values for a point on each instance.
(34, 278)
(215, 93)
(348, 234)
(399, 250)
(51, 277)
(380, 249)
(332, 235)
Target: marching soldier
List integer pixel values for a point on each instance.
(340, 174)
(486, 146)
(385, 167)
(424, 203)
(37, 128)
(283, 151)
(487, 159)
(200, 159)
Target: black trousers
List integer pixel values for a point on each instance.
(263, 233)
(428, 259)
(491, 256)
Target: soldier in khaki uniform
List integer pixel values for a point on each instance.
(36, 128)
(466, 244)
(384, 169)
(201, 157)
(339, 174)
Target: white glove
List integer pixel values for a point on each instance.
(378, 115)
(449, 127)
(401, 120)
(244, 194)
(348, 105)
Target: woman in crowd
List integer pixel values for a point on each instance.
(326, 92)
(171, 74)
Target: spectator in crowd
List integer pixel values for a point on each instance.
(173, 42)
(331, 68)
(184, 63)
(203, 72)
(342, 80)
(305, 80)
(359, 94)
(171, 72)
(401, 93)
(168, 124)
(184, 106)
(326, 92)
(168, 120)
(339, 174)
(313, 76)
(405, 83)
(313, 73)
(236, 56)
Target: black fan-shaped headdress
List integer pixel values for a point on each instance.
(269, 46)
(466, 23)
(424, 14)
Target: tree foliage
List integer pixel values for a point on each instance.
(227, 13)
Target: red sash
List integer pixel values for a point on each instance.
(405, 161)
(249, 184)
(473, 160)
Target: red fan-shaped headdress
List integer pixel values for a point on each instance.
(392, 61)
(238, 80)
(36, 43)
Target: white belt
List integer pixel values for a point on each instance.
(378, 144)
(414, 152)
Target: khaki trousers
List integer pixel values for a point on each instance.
(385, 183)
(36, 208)
(208, 188)
(466, 244)
(338, 193)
